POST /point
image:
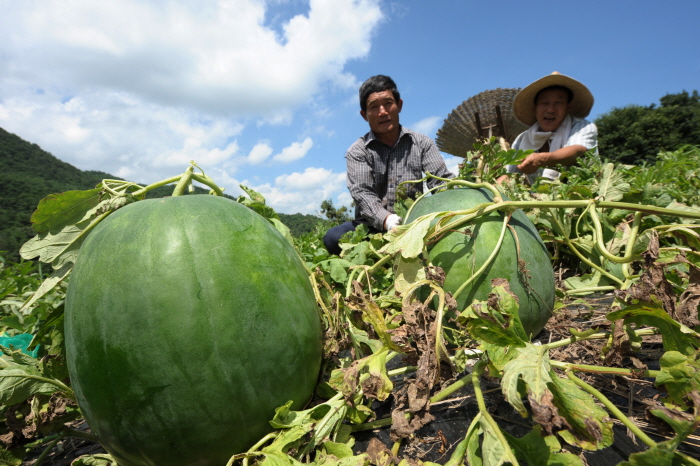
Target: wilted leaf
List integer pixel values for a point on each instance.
(532, 367)
(372, 314)
(368, 373)
(495, 321)
(408, 240)
(590, 427)
(322, 420)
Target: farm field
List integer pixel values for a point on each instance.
(408, 375)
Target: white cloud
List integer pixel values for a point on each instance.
(427, 126)
(312, 178)
(295, 151)
(452, 163)
(303, 192)
(217, 56)
(137, 88)
(259, 153)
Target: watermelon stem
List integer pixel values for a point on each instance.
(488, 261)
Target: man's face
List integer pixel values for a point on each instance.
(382, 113)
(551, 108)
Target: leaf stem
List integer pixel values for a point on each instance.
(488, 261)
(185, 180)
(444, 393)
(612, 408)
(596, 336)
(603, 370)
(508, 452)
(47, 450)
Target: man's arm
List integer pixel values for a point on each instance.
(360, 181)
(565, 156)
(434, 164)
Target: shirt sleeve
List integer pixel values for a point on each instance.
(360, 181)
(584, 133)
(434, 164)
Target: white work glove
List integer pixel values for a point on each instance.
(392, 221)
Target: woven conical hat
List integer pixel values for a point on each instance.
(459, 132)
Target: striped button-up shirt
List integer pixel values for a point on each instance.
(374, 170)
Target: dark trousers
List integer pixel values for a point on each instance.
(332, 236)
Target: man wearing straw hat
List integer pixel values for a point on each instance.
(555, 107)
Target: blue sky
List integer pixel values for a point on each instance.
(264, 93)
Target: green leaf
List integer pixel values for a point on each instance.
(56, 211)
(276, 457)
(339, 450)
(532, 367)
(282, 228)
(586, 281)
(685, 208)
(408, 272)
(612, 187)
(52, 320)
(660, 455)
(680, 375)
(474, 450)
(11, 457)
(47, 285)
(95, 460)
(18, 384)
(338, 269)
(535, 450)
(323, 421)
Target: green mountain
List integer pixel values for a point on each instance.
(28, 174)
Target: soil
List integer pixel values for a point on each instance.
(436, 441)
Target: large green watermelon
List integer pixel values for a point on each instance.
(463, 252)
(188, 321)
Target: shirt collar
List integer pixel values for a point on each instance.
(371, 137)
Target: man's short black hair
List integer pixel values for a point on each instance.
(374, 84)
(569, 92)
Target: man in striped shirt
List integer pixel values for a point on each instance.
(381, 159)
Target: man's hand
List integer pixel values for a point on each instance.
(565, 156)
(392, 221)
(532, 162)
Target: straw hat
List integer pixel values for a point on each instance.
(524, 102)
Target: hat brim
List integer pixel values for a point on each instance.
(524, 102)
